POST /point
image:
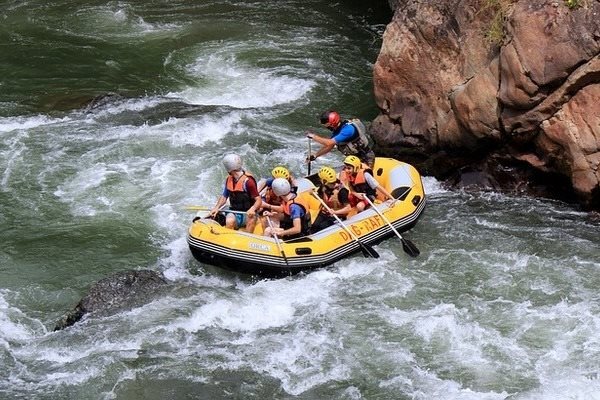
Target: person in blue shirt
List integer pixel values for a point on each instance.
(350, 137)
(295, 220)
(269, 198)
(265, 189)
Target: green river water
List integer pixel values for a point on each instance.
(502, 303)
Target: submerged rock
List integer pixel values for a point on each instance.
(119, 291)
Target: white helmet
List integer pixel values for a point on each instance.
(281, 186)
(232, 162)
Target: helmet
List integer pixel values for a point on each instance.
(232, 162)
(280, 172)
(354, 162)
(327, 175)
(281, 186)
(330, 117)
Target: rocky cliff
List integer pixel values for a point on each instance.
(499, 93)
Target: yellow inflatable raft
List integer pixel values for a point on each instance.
(252, 253)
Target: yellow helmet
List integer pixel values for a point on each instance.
(327, 175)
(354, 162)
(280, 172)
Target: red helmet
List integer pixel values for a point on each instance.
(330, 117)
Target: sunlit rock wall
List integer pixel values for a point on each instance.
(522, 109)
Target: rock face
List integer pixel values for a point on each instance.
(116, 292)
(521, 113)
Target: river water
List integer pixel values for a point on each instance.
(502, 302)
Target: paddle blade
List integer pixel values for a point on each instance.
(197, 208)
(368, 251)
(410, 248)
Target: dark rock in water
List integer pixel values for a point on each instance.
(74, 101)
(103, 100)
(506, 175)
(119, 291)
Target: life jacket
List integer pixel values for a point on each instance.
(271, 197)
(359, 144)
(346, 177)
(359, 184)
(239, 199)
(331, 197)
(287, 222)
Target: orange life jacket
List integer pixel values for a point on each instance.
(358, 184)
(332, 200)
(239, 198)
(287, 222)
(271, 197)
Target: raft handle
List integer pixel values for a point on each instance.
(416, 200)
(302, 251)
(401, 192)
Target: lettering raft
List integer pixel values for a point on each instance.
(366, 226)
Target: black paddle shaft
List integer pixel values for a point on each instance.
(367, 250)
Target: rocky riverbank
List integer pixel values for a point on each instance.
(499, 94)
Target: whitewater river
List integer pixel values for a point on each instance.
(502, 303)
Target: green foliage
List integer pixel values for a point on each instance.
(495, 32)
(573, 3)
(498, 10)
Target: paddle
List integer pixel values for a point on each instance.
(277, 240)
(203, 208)
(309, 154)
(197, 208)
(367, 250)
(408, 246)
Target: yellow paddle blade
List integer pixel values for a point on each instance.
(197, 208)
